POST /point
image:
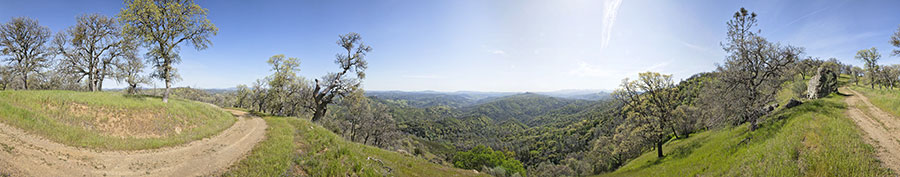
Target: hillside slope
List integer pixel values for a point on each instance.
(298, 147)
(110, 120)
(25, 154)
(813, 139)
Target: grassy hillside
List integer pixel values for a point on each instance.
(110, 120)
(298, 147)
(814, 139)
(884, 99)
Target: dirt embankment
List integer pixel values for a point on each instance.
(881, 128)
(23, 154)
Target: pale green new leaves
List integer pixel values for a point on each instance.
(161, 25)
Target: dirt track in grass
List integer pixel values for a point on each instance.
(881, 128)
(24, 154)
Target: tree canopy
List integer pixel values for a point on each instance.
(162, 26)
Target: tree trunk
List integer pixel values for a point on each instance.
(320, 112)
(659, 151)
(25, 80)
(91, 82)
(166, 93)
(674, 132)
(100, 83)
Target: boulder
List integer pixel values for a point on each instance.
(792, 103)
(822, 84)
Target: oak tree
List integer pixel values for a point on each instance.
(24, 42)
(162, 26)
(650, 102)
(92, 48)
(754, 69)
(341, 83)
(870, 57)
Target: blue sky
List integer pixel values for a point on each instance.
(504, 45)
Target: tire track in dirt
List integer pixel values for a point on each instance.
(23, 154)
(881, 128)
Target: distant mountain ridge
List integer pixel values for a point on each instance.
(460, 99)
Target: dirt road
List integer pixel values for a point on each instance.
(23, 154)
(882, 128)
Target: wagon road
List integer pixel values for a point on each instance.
(24, 154)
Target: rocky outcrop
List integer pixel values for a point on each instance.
(823, 83)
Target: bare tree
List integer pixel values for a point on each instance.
(23, 39)
(340, 84)
(870, 57)
(130, 72)
(92, 47)
(162, 26)
(754, 69)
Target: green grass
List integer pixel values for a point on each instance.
(813, 139)
(885, 99)
(298, 147)
(110, 120)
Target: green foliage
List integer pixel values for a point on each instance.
(161, 26)
(482, 156)
(813, 139)
(522, 107)
(62, 116)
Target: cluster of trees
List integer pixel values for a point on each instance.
(99, 47)
(285, 93)
(362, 120)
(884, 76)
(497, 163)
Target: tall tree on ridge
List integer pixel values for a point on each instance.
(650, 101)
(24, 40)
(340, 84)
(871, 57)
(162, 26)
(755, 68)
(92, 48)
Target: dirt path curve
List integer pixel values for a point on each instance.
(882, 129)
(23, 154)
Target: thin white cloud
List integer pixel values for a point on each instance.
(587, 70)
(421, 76)
(695, 47)
(657, 67)
(610, 11)
(498, 52)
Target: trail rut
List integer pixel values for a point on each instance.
(24, 154)
(881, 128)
